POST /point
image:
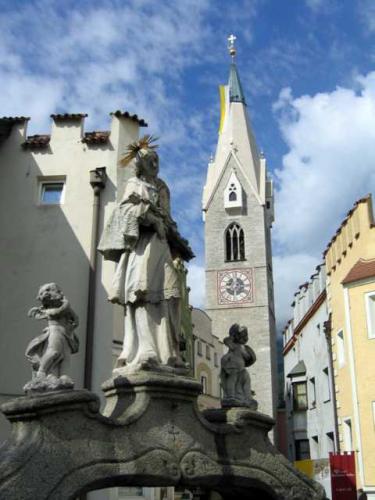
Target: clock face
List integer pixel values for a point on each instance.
(235, 286)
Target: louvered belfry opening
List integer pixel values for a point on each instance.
(234, 242)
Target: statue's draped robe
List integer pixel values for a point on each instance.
(145, 282)
(58, 337)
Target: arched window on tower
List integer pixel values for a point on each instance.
(234, 242)
(233, 201)
(232, 192)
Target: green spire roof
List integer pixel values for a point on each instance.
(235, 89)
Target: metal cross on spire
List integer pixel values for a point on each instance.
(231, 47)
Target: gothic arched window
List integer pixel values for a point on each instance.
(232, 192)
(234, 242)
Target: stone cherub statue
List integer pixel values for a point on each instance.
(49, 353)
(234, 376)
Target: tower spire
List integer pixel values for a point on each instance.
(235, 88)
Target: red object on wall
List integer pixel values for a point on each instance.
(343, 479)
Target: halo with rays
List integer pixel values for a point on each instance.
(145, 142)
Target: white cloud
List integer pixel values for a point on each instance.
(99, 59)
(290, 271)
(330, 164)
(322, 6)
(366, 10)
(315, 4)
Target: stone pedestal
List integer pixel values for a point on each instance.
(150, 434)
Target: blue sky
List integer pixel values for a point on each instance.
(308, 72)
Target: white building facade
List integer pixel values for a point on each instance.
(50, 216)
(57, 191)
(309, 393)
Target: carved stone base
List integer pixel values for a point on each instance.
(238, 403)
(151, 434)
(47, 383)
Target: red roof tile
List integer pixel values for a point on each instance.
(36, 141)
(125, 114)
(68, 116)
(14, 119)
(96, 137)
(361, 270)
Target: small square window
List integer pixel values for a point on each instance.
(299, 396)
(51, 193)
(302, 449)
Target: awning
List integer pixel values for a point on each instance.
(299, 369)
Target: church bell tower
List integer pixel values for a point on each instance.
(238, 214)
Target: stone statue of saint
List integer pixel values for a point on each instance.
(143, 239)
(234, 376)
(49, 354)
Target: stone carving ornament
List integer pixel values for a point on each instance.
(49, 353)
(234, 376)
(143, 240)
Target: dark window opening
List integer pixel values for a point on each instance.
(51, 193)
(302, 449)
(299, 396)
(235, 243)
(232, 196)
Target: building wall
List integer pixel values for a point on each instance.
(364, 355)
(309, 344)
(51, 243)
(305, 341)
(355, 239)
(208, 351)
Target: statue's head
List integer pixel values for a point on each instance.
(50, 295)
(147, 163)
(145, 156)
(238, 334)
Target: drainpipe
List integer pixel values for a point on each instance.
(98, 179)
(327, 331)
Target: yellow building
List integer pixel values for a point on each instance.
(350, 264)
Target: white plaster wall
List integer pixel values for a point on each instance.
(52, 243)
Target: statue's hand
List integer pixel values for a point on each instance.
(33, 311)
(36, 313)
